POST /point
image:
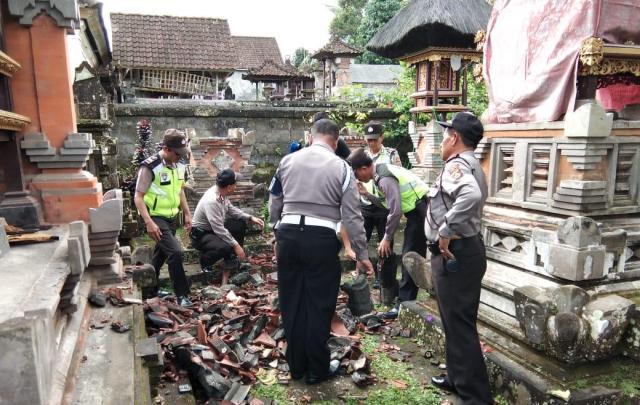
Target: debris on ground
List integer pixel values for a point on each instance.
(120, 327)
(232, 337)
(98, 299)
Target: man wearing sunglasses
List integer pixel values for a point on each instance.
(159, 198)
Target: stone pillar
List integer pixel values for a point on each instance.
(35, 34)
(426, 159)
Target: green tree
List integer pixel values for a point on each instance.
(298, 56)
(347, 18)
(376, 14)
(477, 99)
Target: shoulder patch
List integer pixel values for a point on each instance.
(152, 161)
(454, 171)
(382, 170)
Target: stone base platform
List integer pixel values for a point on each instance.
(522, 375)
(37, 337)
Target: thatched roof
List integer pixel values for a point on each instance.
(431, 23)
(336, 48)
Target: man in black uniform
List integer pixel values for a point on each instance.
(458, 259)
(312, 191)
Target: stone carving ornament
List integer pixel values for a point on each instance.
(570, 325)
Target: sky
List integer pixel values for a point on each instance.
(294, 23)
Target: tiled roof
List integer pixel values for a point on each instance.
(170, 42)
(254, 51)
(380, 74)
(336, 48)
(271, 69)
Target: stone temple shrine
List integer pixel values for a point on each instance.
(562, 222)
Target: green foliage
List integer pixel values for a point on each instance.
(354, 107)
(264, 213)
(376, 14)
(347, 17)
(299, 56)
(477, 99)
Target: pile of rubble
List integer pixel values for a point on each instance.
(233, 337)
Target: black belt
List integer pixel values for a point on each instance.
(434, 247)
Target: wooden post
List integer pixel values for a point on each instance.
(257, 91)
(324, 85)
(436, 83)
(464, 84)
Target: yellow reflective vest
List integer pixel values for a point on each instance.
(412, 188)
(163, 196)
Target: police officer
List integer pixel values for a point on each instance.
(312, 191)
(458, 260)
(219, 227)
(401, 192)
(375, 216)
(159, 197)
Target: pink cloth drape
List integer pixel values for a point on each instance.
(532, 47)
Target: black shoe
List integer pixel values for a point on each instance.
(207, 269)
(334, 367)
(442, 381)
(391, 314)
(297, 376)
(313, 380)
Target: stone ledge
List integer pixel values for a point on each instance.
(517, 373)
(212, 110)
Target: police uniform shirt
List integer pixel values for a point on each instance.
(145, 174)
(315, 182)
(456, 199)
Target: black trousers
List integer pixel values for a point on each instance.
(375, 218)
(212, 248)
(458, 293)
(414, 241)
(169, 250)
(308, 283)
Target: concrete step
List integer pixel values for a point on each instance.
(105, 375)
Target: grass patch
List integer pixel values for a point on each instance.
(386, 370)
(625, 378)
(275, 391)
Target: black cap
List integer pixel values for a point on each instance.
(467, 125)
(225, 178)
(176, 141)
(322, 115)
(373, 130)
(342, 150)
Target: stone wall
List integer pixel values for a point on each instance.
(275, 125)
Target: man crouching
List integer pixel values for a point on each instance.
(219, 227)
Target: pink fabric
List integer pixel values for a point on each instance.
(615, 97)
(531, 52)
